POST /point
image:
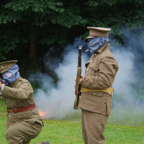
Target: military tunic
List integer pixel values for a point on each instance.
(100, 73)
(21, 126)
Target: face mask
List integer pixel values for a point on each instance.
(96, 43)
(11, 75)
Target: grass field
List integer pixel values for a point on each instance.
(121, 129)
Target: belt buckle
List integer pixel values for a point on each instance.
(13, 110)
(10, 111)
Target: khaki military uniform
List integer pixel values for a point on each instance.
(21, 126)
(96, 105)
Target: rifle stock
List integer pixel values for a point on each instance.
(77, 85)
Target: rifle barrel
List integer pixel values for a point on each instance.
(79, 56)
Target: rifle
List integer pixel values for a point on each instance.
(77, 85)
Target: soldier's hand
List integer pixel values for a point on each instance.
(81, 79)
(78, 91)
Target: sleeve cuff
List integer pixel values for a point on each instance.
(2, 87)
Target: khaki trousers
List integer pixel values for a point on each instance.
(93, 126)
(22, 133)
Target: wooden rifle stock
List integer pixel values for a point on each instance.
(77, 85)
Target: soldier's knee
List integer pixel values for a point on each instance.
(9, 133)
(12, 136)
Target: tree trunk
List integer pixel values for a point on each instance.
(32, 52)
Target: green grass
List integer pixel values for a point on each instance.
(124, 127)
(2, 105)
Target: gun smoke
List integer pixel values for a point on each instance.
(57, 101)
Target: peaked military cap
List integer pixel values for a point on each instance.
(6, 65)
(98, 32)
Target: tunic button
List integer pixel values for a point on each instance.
(107, 50)
(87, 69)
(90, 61)
(95, 54)
(94, 93)
(24, 115)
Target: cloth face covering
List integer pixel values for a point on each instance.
(96, 43)
(11, 75)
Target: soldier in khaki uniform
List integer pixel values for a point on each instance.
(23, 120)
(96, 86)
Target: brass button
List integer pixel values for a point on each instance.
(24, 115)
(95, 54)
(90, 61)
(87, 69)
(107, 50)
(90, 78)
(94, 93)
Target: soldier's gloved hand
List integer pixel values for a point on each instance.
(1, 86)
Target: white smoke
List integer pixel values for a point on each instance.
(127, 101)
(130, 60)
(58, 101)
(125, 75)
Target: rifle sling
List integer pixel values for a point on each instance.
(109, 90)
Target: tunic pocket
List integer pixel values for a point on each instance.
(95, 70)
(108, 108)
(24, 115)
(95, 93)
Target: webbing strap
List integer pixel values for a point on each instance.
(109, 90)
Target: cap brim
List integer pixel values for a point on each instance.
(99, 28)
(6, 65)
(89, 37)
(10, 61)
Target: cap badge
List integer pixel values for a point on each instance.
(1, 67)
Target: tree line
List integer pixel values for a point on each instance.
(29, 28)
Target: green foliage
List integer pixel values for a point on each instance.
(94, 3)
(36, 6)
(56, 23)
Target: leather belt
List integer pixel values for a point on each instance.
(22, 109)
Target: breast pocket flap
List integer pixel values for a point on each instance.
(94, 67)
